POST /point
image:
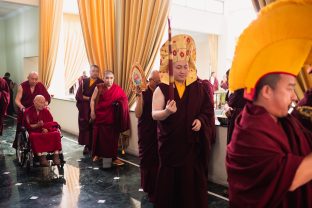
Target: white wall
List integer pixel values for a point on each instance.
(66, 114)
(2, 49)
(22, 40)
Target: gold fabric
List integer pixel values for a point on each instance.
(140, 26)
(304, 81)
(50, 17)
(278, 41)
(180, 88)
(183, 49)
(91, 82)
(98, 25)
(75, 52)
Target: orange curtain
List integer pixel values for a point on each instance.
(50, 12)
(98, 25)
(75, 53)
(304, 81)
(140, 28)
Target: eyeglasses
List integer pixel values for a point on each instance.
(157, 81)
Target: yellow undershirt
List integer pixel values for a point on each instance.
(180, 88)
(91, 82)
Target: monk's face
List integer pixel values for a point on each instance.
(180, 70)
(39, 103)
(282, 96)
(33, 79)
(109, 80)
(154, 79)
(94, 72)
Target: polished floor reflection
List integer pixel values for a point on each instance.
(80, 184)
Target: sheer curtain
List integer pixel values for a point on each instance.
(75, 53)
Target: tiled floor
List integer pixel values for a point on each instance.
(81, 183)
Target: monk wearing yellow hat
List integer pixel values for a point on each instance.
(186, 128)
(269, 160)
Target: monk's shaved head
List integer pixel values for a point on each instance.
(33, 78)
(154, 75)
(154, 79)
(270, 80)
(39, 102)
(39, 98)
(108, 72)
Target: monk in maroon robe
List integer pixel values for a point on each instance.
(235, 104)
(83, 97)
(43, 131)
(26, 93)
(147, 134)
(186, 129)
(214, 81)
(110, 112)
(4, 101)
(269, 158)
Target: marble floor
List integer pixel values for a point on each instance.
(80, 184)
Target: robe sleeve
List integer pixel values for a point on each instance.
(123, 112)
(259, 170)
(79, 96)
(206, 116)
(45, 93)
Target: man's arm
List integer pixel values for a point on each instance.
(139, 104)
(303, 174)
(92, 103)
(18, 98)
(158, 104)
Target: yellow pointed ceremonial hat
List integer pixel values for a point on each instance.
(278, 41)
(183, 48)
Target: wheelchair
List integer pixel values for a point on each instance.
(25, 155)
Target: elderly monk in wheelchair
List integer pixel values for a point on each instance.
(44, 134)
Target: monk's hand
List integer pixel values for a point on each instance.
(171, 107)
(138, 91)
(22, 108)
(85, 97)
(92, 115)
(44, 130)
(40, 123)
(196, 125)
(228, 110)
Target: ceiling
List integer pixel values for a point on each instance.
(9, 8)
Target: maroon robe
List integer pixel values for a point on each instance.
(85, 126)
(262, 160)
(4, 101)
(42, 142)
(215, 85)
(10, 83)
(183, 153)
(113, 103)
(236, 101)
(305, 101)
(148, 152)
(28, 99)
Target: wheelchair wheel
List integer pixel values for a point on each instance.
(21, 149)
